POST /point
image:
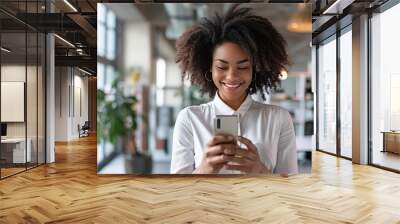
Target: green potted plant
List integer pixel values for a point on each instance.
(117, 123)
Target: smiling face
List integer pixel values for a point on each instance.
(232, 73)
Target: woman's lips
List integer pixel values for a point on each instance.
(231, 86)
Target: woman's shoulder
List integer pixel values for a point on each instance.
(275, 113)
(196, 109)
(263, 107)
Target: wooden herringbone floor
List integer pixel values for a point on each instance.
(70, 191)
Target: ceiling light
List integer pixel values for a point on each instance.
(70, 5)
(5, 50)
(300, 22)
(64, 40)
(294, 25)
(300, 27)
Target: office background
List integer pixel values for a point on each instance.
(22, 78)
(68, 189)
(48, 85)
(136, 46)
(339, 54)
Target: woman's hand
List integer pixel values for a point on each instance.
(219, 150)
(247, 160)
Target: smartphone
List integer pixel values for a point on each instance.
(226, 124)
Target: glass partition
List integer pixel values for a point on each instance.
(22, 90)
(327, 95)
(13, 107)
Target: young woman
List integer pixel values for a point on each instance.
(231, 57)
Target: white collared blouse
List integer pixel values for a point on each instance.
(269, 127)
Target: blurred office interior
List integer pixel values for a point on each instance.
(136, 45)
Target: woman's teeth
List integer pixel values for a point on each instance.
(232, 85)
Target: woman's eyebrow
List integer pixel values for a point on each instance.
(223, 61)
(239, 62)
(242, 61)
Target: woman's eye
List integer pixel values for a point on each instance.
(243, 68)
(221, 68)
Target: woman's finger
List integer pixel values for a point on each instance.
(219, 159)
(228, 149)
(246, 153)
(219, 139)
(214, 150)
(239, 161)
(248, 143)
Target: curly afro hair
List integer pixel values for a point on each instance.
(254, 34)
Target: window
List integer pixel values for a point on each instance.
(106, 31)
(161, 76)
(110, 28)
(100, 76)
(109, 76)
(385, 87)
(101, 12)
(327, 95)
(346, 92)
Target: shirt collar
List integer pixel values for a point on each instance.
(223, 109)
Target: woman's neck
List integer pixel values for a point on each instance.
(234, 104)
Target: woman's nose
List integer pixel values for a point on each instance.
(232, 73)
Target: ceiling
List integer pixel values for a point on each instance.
(333, 15)
(76, 24)
(79, 27)
(72, 20)
(176, 18)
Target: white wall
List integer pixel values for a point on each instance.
(12, 73)
(67, 114)
(81, 84)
